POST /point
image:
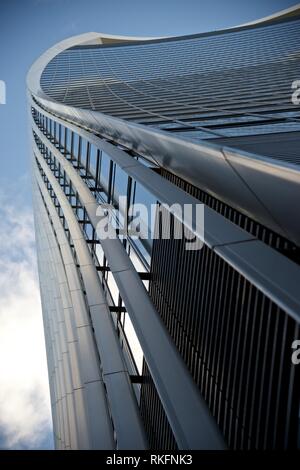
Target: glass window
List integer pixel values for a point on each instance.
(100, 254)
(120, 188)
(133, 342)
(83, 151)
(93, 158)
(144, 198)
(68, 140)
(113, 288)
(89, 231)
(138, 265)
(105, 168)
(55, 130)
(75, 145)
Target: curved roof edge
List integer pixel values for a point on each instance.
(257, 186)
(92, 38)
(282, 14)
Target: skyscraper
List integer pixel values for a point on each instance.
(155, 339)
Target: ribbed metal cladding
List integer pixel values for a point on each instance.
(264, 234)
(236, 344)
(158, 430)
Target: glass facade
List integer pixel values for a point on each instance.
(150, 345)
(210, 86)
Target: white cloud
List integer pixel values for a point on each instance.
(25, 420)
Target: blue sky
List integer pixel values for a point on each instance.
(28, 28)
